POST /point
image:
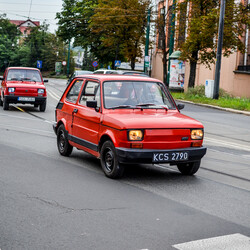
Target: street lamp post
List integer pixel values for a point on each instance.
(68, 64)
(219, 51)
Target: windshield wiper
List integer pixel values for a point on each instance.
(122, 107)
(151, 104)
(28, 79)
(145, 104)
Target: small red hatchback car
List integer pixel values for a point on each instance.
(23, 85)
(125, 120)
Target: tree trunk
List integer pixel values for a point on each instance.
(193, 63)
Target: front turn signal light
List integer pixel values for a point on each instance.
(197, 134)
(135, 135)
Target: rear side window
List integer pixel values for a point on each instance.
(74, 91)
(91, 92)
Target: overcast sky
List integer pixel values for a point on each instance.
(37, 10)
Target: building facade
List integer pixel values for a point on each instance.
(235, 69)
(25, 25)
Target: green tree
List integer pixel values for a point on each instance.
(111, 30)
(200, 44)
(121, 25)
(9, 35)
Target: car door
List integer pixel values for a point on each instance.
(86, 122)
(70, 106)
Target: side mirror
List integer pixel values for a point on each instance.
(91, 104)
(45, 80)
(180, 106)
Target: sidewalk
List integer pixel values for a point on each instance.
(217, 107)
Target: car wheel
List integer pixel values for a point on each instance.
(5, 104)
(63, 145)
(1, 102)
(189, 168)
(110, 165)
(43, 106)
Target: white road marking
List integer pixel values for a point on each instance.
(228, 144)
(232, 241)
(53, 95)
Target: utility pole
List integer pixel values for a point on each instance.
(171, 43)
(219, 51)
(146, 64)
(163, 31)
(68, 63)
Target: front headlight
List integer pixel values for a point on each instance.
(40, 91)
(197, 134)
(135, 135)
(11, 90)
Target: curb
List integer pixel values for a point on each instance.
(217, 107)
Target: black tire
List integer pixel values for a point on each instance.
(42, 106)
(189, 168)
(1, 102)
(5, 104)
(36, 105)
(110, 165)
(63, 145)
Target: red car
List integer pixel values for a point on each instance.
(125, 120)
(23, 85)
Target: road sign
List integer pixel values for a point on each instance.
(39, 64)
(58, 67)
(117, 63)
(95, 64)
(146, 64)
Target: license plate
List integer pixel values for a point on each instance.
(26, 99)
(171, 156)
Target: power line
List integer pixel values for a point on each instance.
(30, 7)
(32, 4)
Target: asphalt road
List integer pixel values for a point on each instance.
(52, 202)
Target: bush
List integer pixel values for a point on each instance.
(198, 91)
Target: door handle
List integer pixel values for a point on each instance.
(75, 111)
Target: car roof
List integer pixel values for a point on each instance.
(83, 71)
(22, 68)
(110, 77)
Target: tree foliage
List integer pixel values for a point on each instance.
(201, 42)
(112, 29)
(9, 35)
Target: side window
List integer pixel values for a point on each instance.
(91, 92)
(74, 91)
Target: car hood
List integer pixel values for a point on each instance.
(24, 84)
(145, 119)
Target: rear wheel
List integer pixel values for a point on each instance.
(189, 168)
(5, 104)
(43, 106)
(63, 145)
(110, 165)
(1, 102)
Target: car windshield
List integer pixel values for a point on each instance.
(136, 94)
(24, 75)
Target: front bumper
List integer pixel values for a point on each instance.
(14, 99)
(127, 155)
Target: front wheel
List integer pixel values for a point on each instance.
(189, 168)
(5, 104)
(63, 145)
(43, 106)
(110, 165)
